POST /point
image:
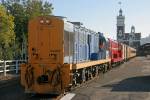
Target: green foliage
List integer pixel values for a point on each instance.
(37, 8)
(23, 11)
(7, 35)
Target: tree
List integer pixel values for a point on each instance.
(37, 8)
(7, 35)
(23, 11)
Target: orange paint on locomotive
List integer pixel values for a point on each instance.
(45, 71)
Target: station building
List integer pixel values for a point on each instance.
(132, 38)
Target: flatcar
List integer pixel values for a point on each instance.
(62, 54)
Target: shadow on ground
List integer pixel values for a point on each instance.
(133, 84)
(41, 97)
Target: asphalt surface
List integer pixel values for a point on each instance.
(130, 81)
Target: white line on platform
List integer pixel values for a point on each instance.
(68, 96)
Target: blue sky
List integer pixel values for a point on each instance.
(100, 15)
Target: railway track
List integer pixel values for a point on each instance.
(6, 83)
(15, 81)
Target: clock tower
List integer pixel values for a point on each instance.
(120, 26)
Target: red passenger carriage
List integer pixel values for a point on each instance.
(115, 49)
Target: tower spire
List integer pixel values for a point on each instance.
(120, 11)
(120, 25)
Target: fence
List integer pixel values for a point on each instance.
(10, 66)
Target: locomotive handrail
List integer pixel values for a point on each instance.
(10, 66)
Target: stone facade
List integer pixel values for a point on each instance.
(132, 39)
